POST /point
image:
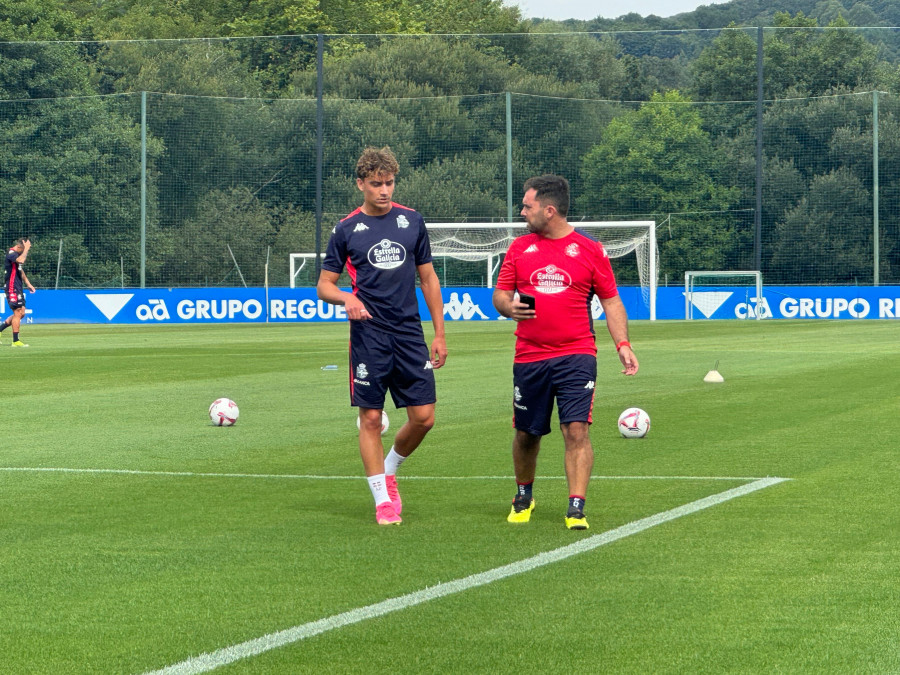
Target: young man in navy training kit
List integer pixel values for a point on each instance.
(384, 246)
(13, 284)
(546, 283)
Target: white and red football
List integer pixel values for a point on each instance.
(223, 412)
(634, 423)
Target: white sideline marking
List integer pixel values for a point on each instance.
(190, 474)
(212, 660)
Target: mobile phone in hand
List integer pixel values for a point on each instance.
(527, 299)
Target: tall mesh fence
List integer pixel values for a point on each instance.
(215, 182)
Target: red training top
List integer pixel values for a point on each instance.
(563, 275)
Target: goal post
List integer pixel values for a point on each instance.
(705, 291)
(303, 262)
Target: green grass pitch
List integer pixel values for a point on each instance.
(134, 535)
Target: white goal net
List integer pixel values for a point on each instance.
(469, 254)
(486, 243)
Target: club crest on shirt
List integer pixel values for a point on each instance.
(387, 254)
(572, 250)
(550, 279)
(402, 222)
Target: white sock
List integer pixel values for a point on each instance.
(392, 462)
(379, 489)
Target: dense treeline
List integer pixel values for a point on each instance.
(645, 125)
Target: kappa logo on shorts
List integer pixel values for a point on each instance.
(589, 385)
(428, 366)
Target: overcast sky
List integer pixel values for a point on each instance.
(609, 9)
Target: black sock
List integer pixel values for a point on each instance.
(524, 489)
(3, 326)
(576, 503)
(15, 336)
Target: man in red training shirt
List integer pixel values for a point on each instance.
(546, 283)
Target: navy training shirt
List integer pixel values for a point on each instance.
(381, 254)
(13, 280)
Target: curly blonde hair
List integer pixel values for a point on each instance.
(374, 162)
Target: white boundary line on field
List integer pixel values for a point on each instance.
(221, 657)
(193, 474)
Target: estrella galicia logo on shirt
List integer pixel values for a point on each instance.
(386, 255)
(550, 279)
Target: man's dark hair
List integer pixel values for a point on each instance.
(21, 242)
(550, 189)
(374, 162)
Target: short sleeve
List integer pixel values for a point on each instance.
(335, 252)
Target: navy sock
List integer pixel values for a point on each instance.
(15, 337)
(524, 489)
(576, 503)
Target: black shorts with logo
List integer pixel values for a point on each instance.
(568, 379)
(15, 299)
(382, 362)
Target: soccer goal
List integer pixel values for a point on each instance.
(485, 244)
(303, 269)
(469, 254)
(705, 292)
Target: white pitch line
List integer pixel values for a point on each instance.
(195, 474)
(212, 660)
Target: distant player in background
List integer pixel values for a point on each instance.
(556, 355)
(384, 247)
(14, 281)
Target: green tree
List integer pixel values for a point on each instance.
(254, 232)
(594, 65)
(726, 70)
(44, 69)
(827, 237)
(658, 160)
(70, 170)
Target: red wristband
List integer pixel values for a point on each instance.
(623, 343)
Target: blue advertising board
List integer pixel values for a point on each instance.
(300, 305)
(785, 302)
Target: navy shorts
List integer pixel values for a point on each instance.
(381, 361)
(15, 300)
(568, 379)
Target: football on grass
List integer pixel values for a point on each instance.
(223, 412)
(634, 423)
(385, 423)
